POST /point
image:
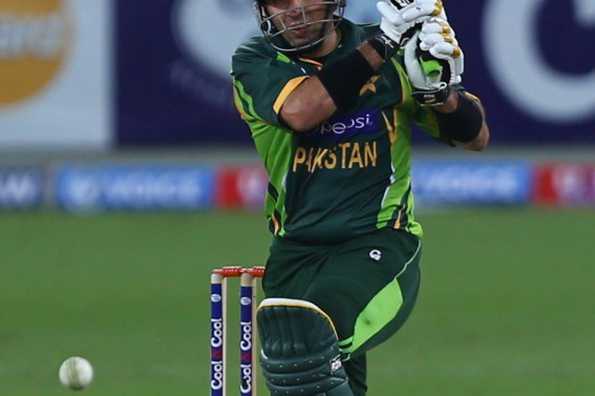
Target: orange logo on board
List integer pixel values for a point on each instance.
(34, 40)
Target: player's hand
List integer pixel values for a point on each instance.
(401, 18)
(434, 62)
(438, 38)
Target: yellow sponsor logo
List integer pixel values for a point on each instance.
(34, 40)
(347, 155)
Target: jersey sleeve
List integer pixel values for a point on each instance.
(262, 82)
(425, 119)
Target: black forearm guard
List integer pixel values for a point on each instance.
(385, 47)
(462, 125)
(344, 78)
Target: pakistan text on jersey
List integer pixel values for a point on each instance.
(347, 155)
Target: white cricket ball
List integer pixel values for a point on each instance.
(76, 373)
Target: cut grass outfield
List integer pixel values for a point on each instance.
(506, 305)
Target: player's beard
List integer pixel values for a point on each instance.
(307, 34)
(308, 30)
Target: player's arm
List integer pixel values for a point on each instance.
(337, 85)
(317, 98)
(483, 138)
(435, 64)
(278, 92)
(461, 119)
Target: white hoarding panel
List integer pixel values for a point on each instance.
(55, 73)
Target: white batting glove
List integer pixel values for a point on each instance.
(401, 17)
(433, 64)
(438, 38)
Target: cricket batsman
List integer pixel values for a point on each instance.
(330, 105)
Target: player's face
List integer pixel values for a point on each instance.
(299, 19)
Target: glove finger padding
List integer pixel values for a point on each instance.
(389, 13)
(393, 25)
(436, 31)
(401, 18)
(438, 38)
(423, 8)
(437, 25)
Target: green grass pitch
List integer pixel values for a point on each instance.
(506, 306)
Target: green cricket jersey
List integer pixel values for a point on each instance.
(352, 174)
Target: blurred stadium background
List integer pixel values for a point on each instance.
(126, 175)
